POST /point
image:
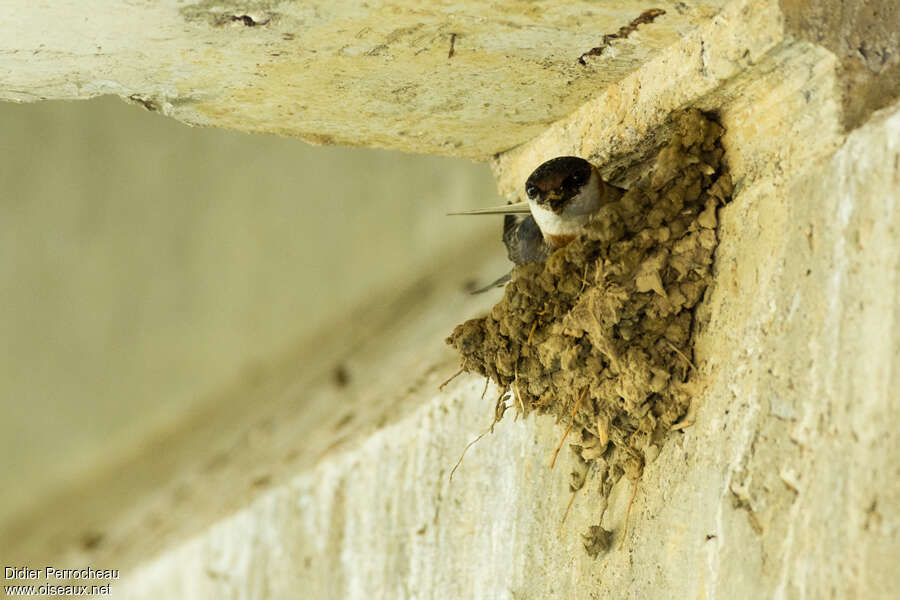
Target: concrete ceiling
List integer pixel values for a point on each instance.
(463, 78)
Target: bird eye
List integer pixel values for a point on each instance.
(532, 191)
(573, 181)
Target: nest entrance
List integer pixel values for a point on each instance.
(608, 318)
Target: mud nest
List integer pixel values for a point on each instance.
(605, 324)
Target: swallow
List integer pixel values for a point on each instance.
(564, 194)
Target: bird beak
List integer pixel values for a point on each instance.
(519, 208)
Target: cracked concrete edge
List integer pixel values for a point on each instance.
(620, 118)
(373, 74)
(711, 68)
(864, 37)
(381, 75)
(785, 486)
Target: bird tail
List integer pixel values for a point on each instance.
(495, 284)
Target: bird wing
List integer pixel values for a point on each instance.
(519, 208)
(524, 240)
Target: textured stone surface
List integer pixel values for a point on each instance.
(382, 74)
(778, 101)
(375, 73)
(864, 35)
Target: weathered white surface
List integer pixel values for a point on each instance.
(375, 73)
(786, 486)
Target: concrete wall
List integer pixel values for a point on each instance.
(145, 265)
(327, 471)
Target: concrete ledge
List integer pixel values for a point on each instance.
(374, 74)
(468, 79)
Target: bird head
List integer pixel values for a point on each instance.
(565, 186)
(563, 195)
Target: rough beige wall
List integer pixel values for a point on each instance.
(145, 265)
(865, 38)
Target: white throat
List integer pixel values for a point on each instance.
(574, 216)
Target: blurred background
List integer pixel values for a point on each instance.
(143, 263)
